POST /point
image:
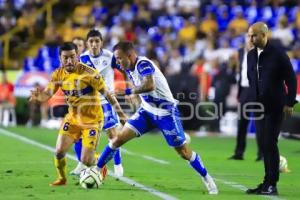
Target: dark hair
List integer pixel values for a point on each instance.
(67, 46)
(124, 46)
(94, 33)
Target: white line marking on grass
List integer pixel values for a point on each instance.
(229, 183)
(145, 157)
(124, 179)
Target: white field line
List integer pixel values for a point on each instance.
(229, 183)
(123, 179)
(163, 162)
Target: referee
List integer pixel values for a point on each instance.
(272, 85)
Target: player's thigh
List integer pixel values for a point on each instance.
(171, 128)
(140, 123)
(70, 129)
(68, 134)
(63, 143)
(90, 137)
(112, 132)
(124, 136)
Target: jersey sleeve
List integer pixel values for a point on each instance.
(145, 68)
(97, 81)
(86, 60)
(54, 83)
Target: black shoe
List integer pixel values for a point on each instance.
(259, 158)
(236, 157)
(268, 190)
(255, 190)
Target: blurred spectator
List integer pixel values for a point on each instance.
(239, 24)
(209, 24)
(175, 61)
(82, 14)
(38, 112)
(80, 43)
(7, 102)
(188, 32)
(99, 12)
(283, 32)
(188, 8)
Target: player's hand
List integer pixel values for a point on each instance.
(35, 94)
(288, 111)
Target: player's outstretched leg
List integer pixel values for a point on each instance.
(63, 143)
(118, 168)
(80, 166)
(60, 163)
(111, 149)
(195, 161)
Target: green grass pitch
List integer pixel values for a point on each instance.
(26, 170)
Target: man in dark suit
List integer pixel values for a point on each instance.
(243, 97)
(272, 85)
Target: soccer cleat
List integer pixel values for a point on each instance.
(59, 182)
(210, 184)
(103, 172)
(78, 169)
(118, 170)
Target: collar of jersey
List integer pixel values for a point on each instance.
(97, 56)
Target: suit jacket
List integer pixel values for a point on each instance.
(277, 84)
(243, 94)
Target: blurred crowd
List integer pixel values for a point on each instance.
(195, 40)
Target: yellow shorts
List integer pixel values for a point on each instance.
(90, 134)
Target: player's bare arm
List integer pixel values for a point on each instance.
(114, 102)
(148, 85)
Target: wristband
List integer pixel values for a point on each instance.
(128, 91)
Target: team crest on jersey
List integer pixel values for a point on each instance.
(104, 62)
(92, 133)
(98, 76)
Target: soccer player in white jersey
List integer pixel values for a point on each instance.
(102, 60)
(158, 110)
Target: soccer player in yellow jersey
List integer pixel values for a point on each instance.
(81, 86)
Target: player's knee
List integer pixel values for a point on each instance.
(117, 141)
(59, 155)
(87, 160)
(183, 153)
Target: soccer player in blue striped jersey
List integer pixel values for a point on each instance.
(158, 110)
(102, 60)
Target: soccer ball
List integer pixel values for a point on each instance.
(283, 165)
(187, 138)
(90, 178)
